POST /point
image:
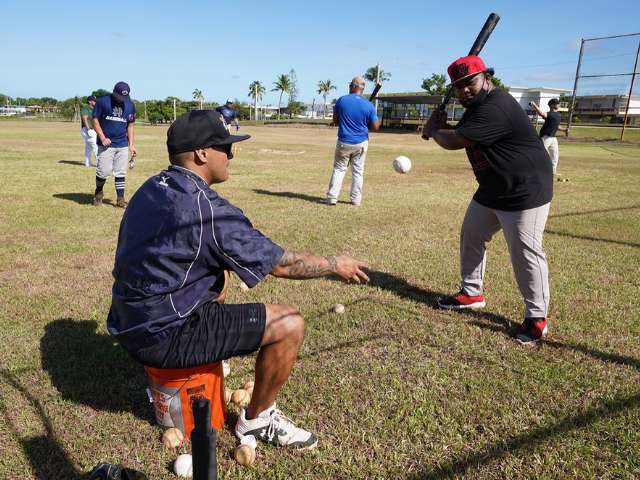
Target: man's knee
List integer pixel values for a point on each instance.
(283, 323)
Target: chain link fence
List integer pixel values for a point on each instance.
(604, 85)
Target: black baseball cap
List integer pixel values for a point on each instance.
(199, 129)
(553, 101)
(91, 97)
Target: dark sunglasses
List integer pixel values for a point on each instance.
(225, 148)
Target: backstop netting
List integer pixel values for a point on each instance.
(605, 80)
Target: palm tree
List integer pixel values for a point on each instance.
(372, 75)
(256, 89)
(325, 88)
(197, 94)
(282, 85)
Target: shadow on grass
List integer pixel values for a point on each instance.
(300, 196)
(522, 443)
(591, 212)
(530, 441)
(72, 162)
(82, 198)
(402, 288)
(90, 368)
(47, 456)
(582, 237)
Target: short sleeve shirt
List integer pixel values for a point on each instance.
(114, 117)
(513, 169)
(355, 113)
(86, 110)
(177, 237)
(551, 124)
(228, 113)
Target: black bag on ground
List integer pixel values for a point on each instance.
(106, 471)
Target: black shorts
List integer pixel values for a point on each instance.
(212, 333)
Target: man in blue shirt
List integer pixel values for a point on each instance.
(178, 241)
(354, 115)
(229, 114)
(112, 118)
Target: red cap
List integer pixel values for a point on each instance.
(464, 67)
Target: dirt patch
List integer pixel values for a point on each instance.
(277, 152)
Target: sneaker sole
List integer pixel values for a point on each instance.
(255, 433)
(460, 307)
(532, 340)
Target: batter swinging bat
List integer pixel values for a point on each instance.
(375, 92)
(482, 38)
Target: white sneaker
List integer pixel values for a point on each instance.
(226, 368)
(275, 429)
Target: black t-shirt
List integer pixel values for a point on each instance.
(551, 124)
(513, 169)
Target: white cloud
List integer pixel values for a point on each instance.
(550, 76)
(357, 46)
(574, 44)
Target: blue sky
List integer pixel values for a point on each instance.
(168, 48)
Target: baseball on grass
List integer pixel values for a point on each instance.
(227, 394)
(241, 397)
(172, 438)
(249, 387)
(338, 308)
(402, 164)
(245, 454)
(183, 467)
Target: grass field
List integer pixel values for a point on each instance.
(394, 388)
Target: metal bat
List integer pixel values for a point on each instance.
(482, 38)
(375, 92)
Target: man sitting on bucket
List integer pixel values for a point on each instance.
(178, 239)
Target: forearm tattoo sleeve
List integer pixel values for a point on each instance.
(302, 266)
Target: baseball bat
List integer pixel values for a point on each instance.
(481, 39)
(375, 92)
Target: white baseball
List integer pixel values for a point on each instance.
(402, 164)
(183, 467)
(338, 308)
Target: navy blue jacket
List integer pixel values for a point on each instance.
(176, 238)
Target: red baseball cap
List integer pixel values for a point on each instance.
(465, 67)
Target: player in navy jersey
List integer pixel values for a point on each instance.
(178, 240)
(112, 118)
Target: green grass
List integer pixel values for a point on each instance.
(394, 388)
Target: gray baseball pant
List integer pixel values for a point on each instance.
(112, 158)
(523, 232)
(344, 155)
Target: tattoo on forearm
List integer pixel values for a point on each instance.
(301, 267)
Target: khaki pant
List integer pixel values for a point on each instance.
(346, 154)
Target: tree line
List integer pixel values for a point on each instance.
(163, 111)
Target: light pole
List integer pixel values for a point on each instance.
(378, 75)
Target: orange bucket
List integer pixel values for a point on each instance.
(173, 391)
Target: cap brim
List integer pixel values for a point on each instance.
(466, 76)
(122, 98)
(233, 139)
